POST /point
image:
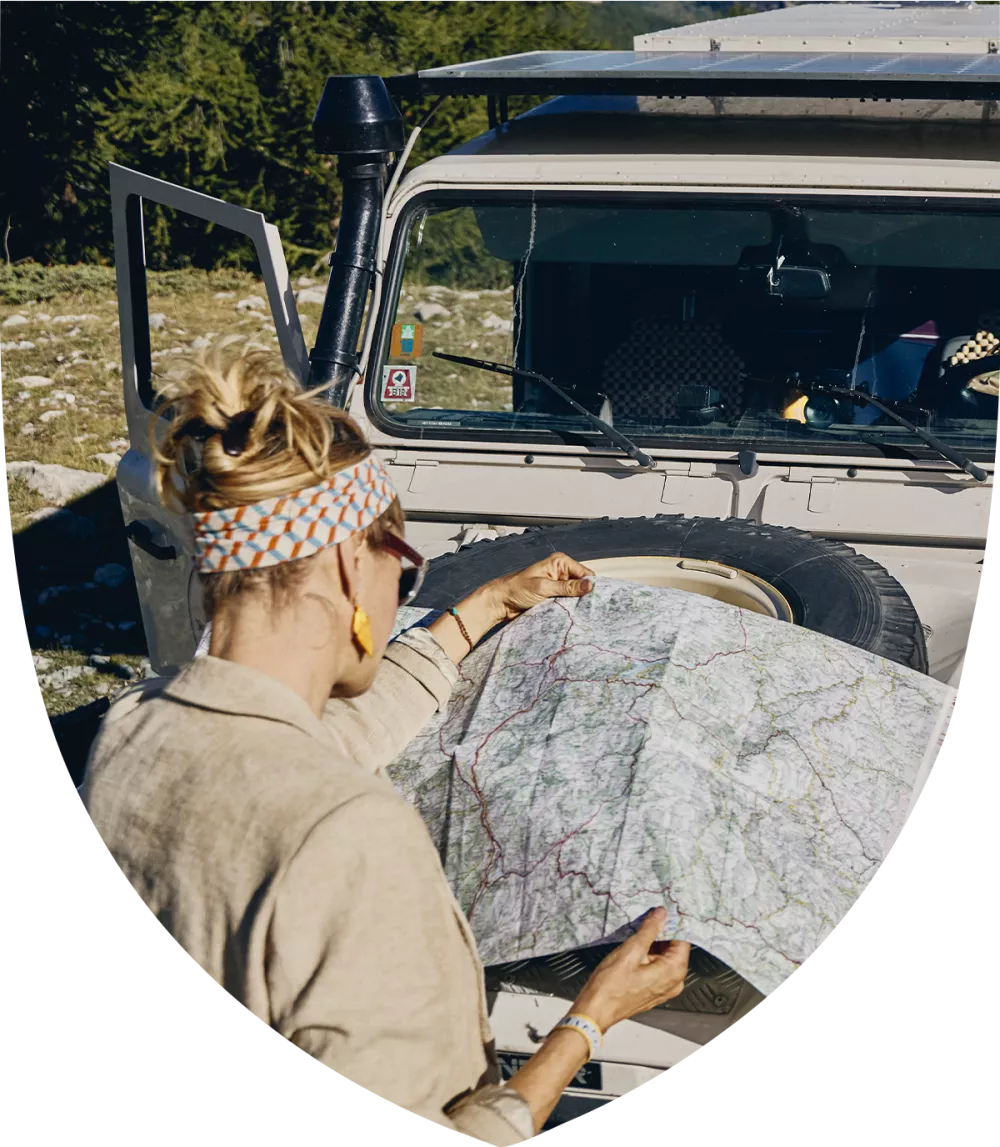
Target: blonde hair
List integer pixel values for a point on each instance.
(242, 430)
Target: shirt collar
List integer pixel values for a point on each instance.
(228, 687)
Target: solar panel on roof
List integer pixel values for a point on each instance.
(861, 74)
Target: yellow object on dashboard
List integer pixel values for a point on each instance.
(796, 408)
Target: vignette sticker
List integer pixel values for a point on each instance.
(399, 383)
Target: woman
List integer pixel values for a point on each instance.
(244, 798)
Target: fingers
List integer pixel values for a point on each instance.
(559, 567)
(570, 587)
(637, 947)
(570, 567)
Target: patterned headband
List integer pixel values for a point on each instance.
(292, 525)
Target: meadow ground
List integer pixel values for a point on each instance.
(62, 403)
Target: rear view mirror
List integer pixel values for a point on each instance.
(790, 282)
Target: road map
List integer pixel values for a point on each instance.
(643, 746)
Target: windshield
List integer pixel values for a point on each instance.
(711, 323)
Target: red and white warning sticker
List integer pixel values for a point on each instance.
(399, 383)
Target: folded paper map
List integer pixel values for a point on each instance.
(645, 746)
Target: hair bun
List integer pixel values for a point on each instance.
(234, 437)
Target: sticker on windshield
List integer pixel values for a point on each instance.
(399, 383)
(407, 340)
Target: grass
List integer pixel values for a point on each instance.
(70, 335)
(82, 358)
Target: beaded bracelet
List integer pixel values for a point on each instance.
(461, 625)
(578, 1022)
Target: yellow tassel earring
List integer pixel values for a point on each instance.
(362, 631)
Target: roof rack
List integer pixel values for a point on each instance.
(865, 51)
(864, 75)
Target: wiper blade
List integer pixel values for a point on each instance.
(614, 436)
(947, 452)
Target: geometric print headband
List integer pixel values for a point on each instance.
(292, 525)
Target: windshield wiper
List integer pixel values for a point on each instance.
(615, 437)
(946, 452)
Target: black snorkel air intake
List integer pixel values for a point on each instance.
(357, 121)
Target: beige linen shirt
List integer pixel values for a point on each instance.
(270, 845)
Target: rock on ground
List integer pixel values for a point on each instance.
(111, 575)
(69, 320)
(62, 677)
(157, 321)
(107, 459)
(252, 303)
(28, 429)
(427, 310)
(15, 321)
(33, 381)
(494, 322)
(310, 295)
(56, 484)
(50, 414)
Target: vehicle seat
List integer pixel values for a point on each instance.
(643, 375)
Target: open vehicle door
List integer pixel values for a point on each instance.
(161, 541)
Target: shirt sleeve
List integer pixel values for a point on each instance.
(413, 682)
(368, 971)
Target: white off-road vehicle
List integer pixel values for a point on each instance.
(722, 314)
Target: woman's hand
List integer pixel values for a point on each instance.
(636, 976)
(506, 597)
(555, 576)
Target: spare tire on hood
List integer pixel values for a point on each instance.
(829, 587)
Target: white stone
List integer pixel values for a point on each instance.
(62, 677)
(31, 381)
(305, 281)
(42, 317)
(63, 396)
(15, 321)
(224, 295)
(252, 303)
(50, 414)
(107, 459)
(23, 395)
(427, 310)
(311, 295)
(201, 342)
(72, 320)
(157, 320)
(83, 437)
(56, 484)
(24, 344)
(28, 429)
(41, 663)
(120, 444)
(494, 322)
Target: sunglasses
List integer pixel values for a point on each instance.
(411, 576)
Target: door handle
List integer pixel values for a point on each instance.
(140, 534)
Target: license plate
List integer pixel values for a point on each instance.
(588, 1078)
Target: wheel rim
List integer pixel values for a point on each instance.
(710, 579)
